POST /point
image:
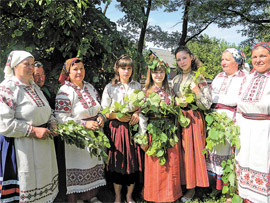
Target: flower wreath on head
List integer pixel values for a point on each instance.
(155, 61)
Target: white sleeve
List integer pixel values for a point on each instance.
(9, 125)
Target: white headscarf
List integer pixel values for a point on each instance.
(14, 58)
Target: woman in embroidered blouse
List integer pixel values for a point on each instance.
(24, 115)
(124, 155)
(225, 90)
(193, 136)
(161, 183)
(79, 101)
(253, 157)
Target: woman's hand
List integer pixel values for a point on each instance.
(144, 147)
(53, 125)
(124, 118)
(92, 125)
(134, 119)
(195, 88)
(41, 133)
(181, 101)
(100, 121)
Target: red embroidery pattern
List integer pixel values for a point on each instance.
(83, 95)
(11, 104)
(37, 194)
(34, 96)
(84, 176)
(217, 159)
(255, 181)
(255, 89)
(63, 105)
(6, 90)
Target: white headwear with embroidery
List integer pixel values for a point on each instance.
(14, 58)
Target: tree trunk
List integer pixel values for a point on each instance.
(185, 24)
(142, 34)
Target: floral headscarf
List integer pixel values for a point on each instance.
(239, 57)
(15, 57)
(66, 68)
(265, 45)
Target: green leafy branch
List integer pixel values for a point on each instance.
(229, 179)
(96, 141)
(162, 131)
(189, 97)
(120, 109)
(222, 129)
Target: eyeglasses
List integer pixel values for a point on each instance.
(76, 61)
(38, 64)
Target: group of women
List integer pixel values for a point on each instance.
(29, 171)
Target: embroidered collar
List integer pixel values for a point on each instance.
(19, 83)
(158, 89)
(238, 73)
(132, 81)
(68, 83)
(266, 74)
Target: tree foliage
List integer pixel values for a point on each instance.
(57, 30)
(197, 15)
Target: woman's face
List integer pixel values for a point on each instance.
(183, 60)
(25, 69)
(261, 59)
(229, 65)
(77, 73)
(125, 73)
(158, 77)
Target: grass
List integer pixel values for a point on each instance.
(106, 195)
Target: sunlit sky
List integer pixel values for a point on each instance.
(170, 22)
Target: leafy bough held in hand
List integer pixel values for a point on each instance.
(95, 141)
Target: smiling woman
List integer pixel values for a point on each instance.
(78, 100)
(26, 175)
(253, 158)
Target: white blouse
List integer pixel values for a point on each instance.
(116, 93)
(74, 103)
(225, 89)
(21, 107)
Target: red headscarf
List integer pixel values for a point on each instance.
(64, 75)
(265, 45)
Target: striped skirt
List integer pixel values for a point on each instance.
(9, 182)
(163, 183)
(193, 143)
(124, 155)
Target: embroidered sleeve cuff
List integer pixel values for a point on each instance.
(83, 123)
(29, 129)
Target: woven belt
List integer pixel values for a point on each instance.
(256, 116)
(223, 106)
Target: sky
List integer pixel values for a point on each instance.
(168, 22)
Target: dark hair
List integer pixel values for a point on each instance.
(150, 82)
(195, 63)
(123, 61)
(38, 64)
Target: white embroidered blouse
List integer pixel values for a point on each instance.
(21, 107)
(225, 89)
(74, 103)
